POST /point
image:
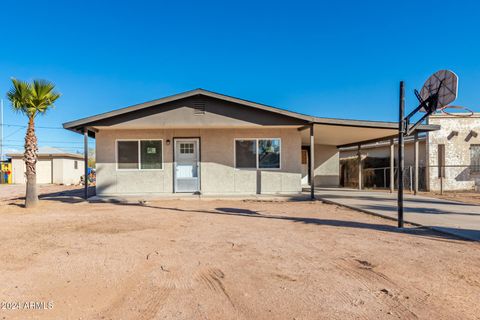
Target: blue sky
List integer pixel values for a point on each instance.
(325, 58)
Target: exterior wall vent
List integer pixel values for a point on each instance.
(199, 108)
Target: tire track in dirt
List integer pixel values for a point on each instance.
(138, 299)
(364, 273)
(212, 278)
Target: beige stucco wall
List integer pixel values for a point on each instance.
(327, 166)
(457, 152)
(217, 172)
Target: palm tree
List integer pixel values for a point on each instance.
(31, 99)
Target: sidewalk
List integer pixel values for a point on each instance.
(456, 218)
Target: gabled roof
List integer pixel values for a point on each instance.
(183, 95)
(49, 152)
(77, 125)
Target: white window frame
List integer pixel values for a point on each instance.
(139, 155)
(256, 153)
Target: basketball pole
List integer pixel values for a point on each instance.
(401, 148)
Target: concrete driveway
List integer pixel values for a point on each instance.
(453, 217)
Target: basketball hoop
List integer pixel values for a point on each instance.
(437, 93)
(465, 114)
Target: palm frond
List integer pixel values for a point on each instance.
(20, 95)
(32, 99)
(43, 95)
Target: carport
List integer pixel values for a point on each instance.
(339, 133)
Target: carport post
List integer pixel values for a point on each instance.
(415, 163)
(359, 154)
(85, 158)
(312, 163)
(392, 166)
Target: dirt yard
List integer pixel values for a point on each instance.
(205, 259)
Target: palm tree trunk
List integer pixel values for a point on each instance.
(30, 158)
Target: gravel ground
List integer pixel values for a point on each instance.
(214, 259)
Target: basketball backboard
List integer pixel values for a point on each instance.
(444, 84)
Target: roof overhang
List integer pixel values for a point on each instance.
(329, 131)
(79, 125)
(346, 133)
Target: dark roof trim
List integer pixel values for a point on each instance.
(78, 125)
(86, 121)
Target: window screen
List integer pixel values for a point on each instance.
(127, 154)
(151, 154)
(245, 153)
(441, 161)
(269, 153)
(75, 164)
(475, 158)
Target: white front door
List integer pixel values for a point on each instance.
(186, 165)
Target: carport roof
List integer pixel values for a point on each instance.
(378, 129)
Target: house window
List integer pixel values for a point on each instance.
(475, 158)
(151, 154)
(269, 154)
(139, 154)
(75, 164)
(441, 161)
(246, 154)
(257, 153)
(127, 154)
(186, 148)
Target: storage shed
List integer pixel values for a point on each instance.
(53, 166)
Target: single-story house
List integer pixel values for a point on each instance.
(53, 166)
(201, 142)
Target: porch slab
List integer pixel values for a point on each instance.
(455, 218)
(187, 196)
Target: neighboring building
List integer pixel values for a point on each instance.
(53, 166)
(458, 160)
(204, 142)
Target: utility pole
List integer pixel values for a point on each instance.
(1, 129)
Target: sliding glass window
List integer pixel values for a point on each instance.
(139, 154)
(257, 153)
